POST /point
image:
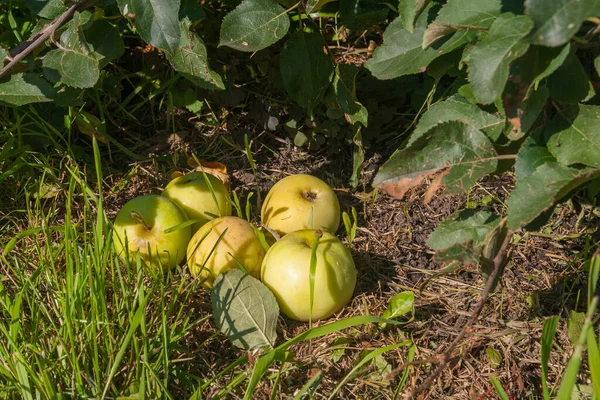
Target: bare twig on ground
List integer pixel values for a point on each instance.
(443, 359)
(25, 48)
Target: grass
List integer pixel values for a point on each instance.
(75, 322)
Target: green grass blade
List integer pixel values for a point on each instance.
(310, 386)
(311, 274)
(366, 359)
(593, 275)
(411, 356)
(548, 332)
(570, 375)
(134, 324)
(499, 389)
(594, 361)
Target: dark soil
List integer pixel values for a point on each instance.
(544, 277)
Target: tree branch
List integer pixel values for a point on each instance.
(25, 48)
(444, 358)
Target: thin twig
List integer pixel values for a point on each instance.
(443, 359)
(25, 48)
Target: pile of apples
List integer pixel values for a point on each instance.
(192, 220)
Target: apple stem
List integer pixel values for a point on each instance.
(139, 218)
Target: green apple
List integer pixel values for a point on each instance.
(286, 270)
(219, 245)
(300, 202)
(140, 228)
(192, 192)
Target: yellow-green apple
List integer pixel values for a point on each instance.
(219, 245)
(140, 227)
(300, 202)
(192, 192)
(286, 270)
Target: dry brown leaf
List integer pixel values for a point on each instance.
(215, 168)
(435, 185)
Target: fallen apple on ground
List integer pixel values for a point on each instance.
(301, 202)
(192, 192)
(286, 269)
(140, 227)
(219, 245)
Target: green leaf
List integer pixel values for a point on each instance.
(465, 226)
(314, 5)
(570, 83)
(399, 305)
(48, 9)
(538, 63)
(494, 356)
(72, 67)
(245, 310)
(532, 153)
(361, 14)
(457, 108)
(541, 190)
(556, 21)
(409, 12)
(104, 38)
(461, 152)
(344, 90)
(26, 88)
(254, 25)
(523, 115)
(191, 61)
(490, 59)
(402, 53)
(306, 70)
(191, 10)
(461, 14)
(157, 22)
(574, 136)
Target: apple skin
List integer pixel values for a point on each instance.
(192, 193)
(240, 241)
(156, 247)
(286, 269)
(287, 207)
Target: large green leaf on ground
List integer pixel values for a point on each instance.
(574, 136)
(409, 12)
(362, 14)
(458, 153)
(26, 88)
(344, 92)
(157, 21)
(556, 21)
(570, 83)
(191, 61)
(489, 60)
(465, 226)
(305, 68)
(457, 108)
(542, 189)
(48, 9)
(462, 14)
(245, 310)
(75, 68)
(104, 38)
(402, 53)
(254, 25)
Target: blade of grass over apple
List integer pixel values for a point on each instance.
(366, 359)
(311, 274)
(183, 225)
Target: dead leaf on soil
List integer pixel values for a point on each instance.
(398, 188)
